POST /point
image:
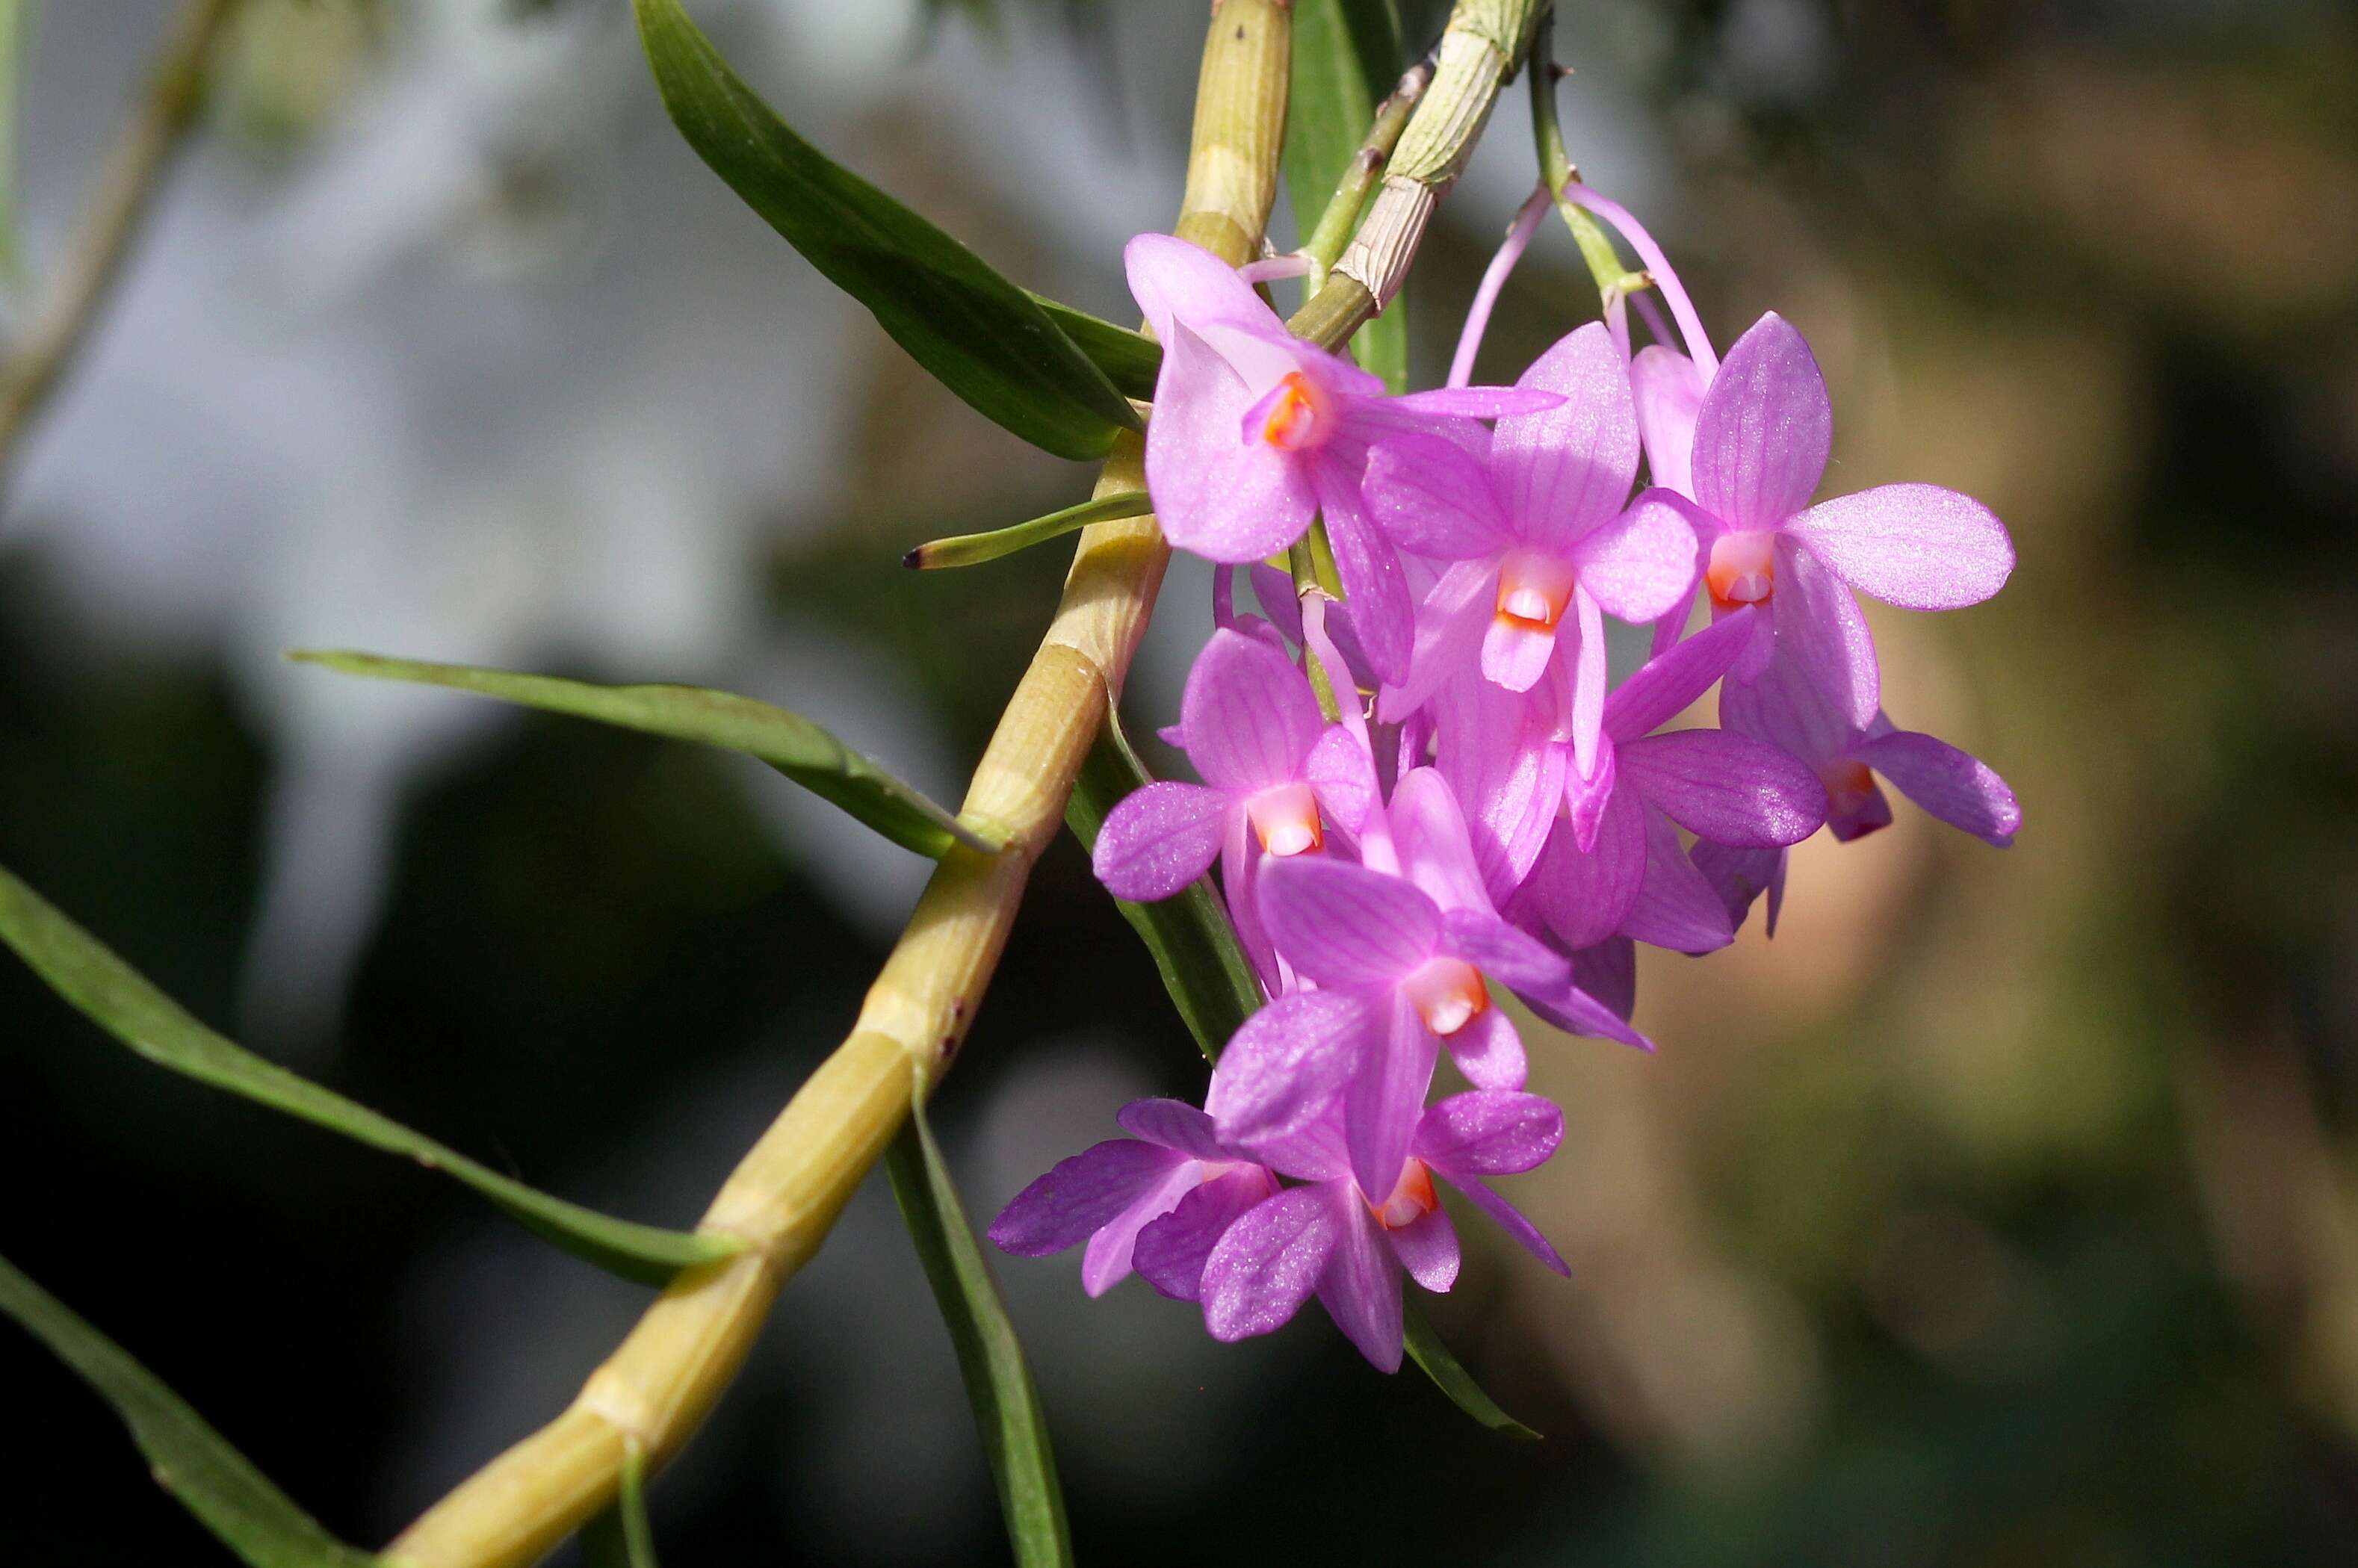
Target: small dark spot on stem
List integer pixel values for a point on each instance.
(1240, 32)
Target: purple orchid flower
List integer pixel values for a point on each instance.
(1610, 861)
(1330, 1238)
(1251, 725)
(1787, 710)
(1158, 1199)
(1399, 962)
(1759, 437)
(1540, 537)
(1255, 431)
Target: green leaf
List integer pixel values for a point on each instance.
(192, 1461)
(113, 995)
(619, 1536)
(787, 741)
(1129, 359)
(1449, 1375)
(972, 549)
(1346, 56)
(1006, 1405)
(1196, 948)
(981, 336)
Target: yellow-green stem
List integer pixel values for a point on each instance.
(1557, 170)
(657, 1388)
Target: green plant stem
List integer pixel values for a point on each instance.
(1343, 208)
(1485, 42)
(1557, 170)
(119, 204)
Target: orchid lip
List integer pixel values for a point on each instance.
(1534, 589)
(1285, 820)
(1294, 413)
(1447, 993)
(1411, 1197)
(1742, 569)
(1848, 783)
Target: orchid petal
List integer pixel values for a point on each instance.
(1764, 429)
(1513, 958)
(1343, 776)
(1478, 402)
(1726, 787)
(1172, 1124)
(1158, 839)
(1381, 1101)
(1641, 565)
(1818, 624)
(1170, 1254)
(1382, 612)
(1347, 926)
(1582, 897)
(1489, 1050)
(1266, 1264)
(1360, 1286)
(1427, 1247)
(1079, 1196)
(1174, 280)
(1225, 499)
(1564, 471)
(1432, 496)
(1449, 628)
(1430, 835)
(1105, 1260)
(1676, 907)
(1669, 683)
(1916, 545)
(1667, 388)
(1510, 778)
(1285, 1063)
(1492, 1132)
(1510, 1219)
(1588, 673)
(1737, 875)
(1955, 787)
(1249, 715)
(1607, 972)
(1789, 711)
(1515, 653)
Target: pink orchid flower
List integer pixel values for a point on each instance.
(1147, 1201)
(1399, 964)
(1787, 711)
(1349, 1245)
(1760, 436)
(1543, 544)
(1254, 431)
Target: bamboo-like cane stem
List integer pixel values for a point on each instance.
(782, 1198)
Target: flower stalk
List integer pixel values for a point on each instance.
(784, 1197)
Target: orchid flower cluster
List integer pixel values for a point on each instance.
(1478, 808)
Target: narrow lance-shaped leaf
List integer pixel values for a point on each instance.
(787, 741)
(1006, 1404)
(113, 995)
(1128, 358)
(981, 336)
(189, 1459)
(1346, 56)
(1450, 1375)
(972, 549)
(1194, 947)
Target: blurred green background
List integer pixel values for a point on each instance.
(2003, 1210)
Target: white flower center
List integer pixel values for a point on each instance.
(1285, 818)
(1411, 1198)
(1447, 993)
(1743, 570)
(1533, 589)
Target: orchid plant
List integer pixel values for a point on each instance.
(1428, 821)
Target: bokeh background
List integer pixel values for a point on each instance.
(2004, 1210)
